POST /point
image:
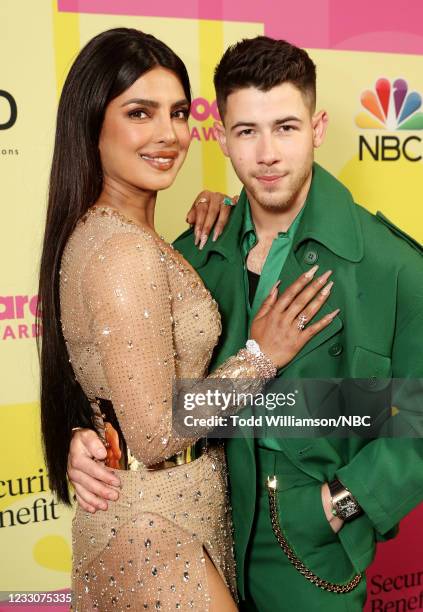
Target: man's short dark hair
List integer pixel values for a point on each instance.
(264, 63)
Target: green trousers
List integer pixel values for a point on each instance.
(273, 584)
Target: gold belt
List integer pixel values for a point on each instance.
(187, 455)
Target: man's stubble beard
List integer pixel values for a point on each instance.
(271, 203)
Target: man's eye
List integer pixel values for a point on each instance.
(246, 132)
(137, 114)
(287, 128)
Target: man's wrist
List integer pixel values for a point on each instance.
(344, 504)
(336, 523)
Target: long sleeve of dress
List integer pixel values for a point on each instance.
(126, 288)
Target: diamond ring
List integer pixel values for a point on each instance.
(301, 323)
(201, 201)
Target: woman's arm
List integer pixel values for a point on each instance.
(125, 286)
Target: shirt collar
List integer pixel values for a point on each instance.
(248, 234)
(329, 216)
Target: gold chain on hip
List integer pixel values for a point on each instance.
(292, 557)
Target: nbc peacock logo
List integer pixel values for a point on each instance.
(391, 112)
(390, 106)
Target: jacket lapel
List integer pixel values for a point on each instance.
(290, 272)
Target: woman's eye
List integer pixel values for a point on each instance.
(182, 113)
(137, 114)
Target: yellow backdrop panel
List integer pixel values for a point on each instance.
(386, 174)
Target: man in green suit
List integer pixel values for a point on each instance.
(308, 512)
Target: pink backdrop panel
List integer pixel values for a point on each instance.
(320, 24)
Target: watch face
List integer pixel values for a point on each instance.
(346, 507)
(253, 347)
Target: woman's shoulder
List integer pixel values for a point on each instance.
(104, 235)
(102, 227)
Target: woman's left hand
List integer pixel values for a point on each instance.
(208, 212)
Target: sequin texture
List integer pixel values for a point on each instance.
(135, 316)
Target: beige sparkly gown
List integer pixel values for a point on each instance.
(135, 315)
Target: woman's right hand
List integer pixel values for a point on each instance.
(94, 483)
(280, 327)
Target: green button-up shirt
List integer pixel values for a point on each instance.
(270, 273)
(275, 260)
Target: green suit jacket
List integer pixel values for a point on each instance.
(378, 276)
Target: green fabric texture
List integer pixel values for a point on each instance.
(378, 276)
(275, 260)
(270, 273)
(315, 544)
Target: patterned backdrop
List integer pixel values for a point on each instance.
(370, 80)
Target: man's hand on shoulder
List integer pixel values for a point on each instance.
(94, 483)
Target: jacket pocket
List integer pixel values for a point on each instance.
(305, 526)
(358, 540)
(368, 365)
(368, 393)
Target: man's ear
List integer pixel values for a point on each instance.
(220, 131)
(320, 123)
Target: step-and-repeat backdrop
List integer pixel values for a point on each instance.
(370, 80)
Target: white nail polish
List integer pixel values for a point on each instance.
(332, 315)
(203, 241)
(312, 272)
(326, 290)
(322, 280)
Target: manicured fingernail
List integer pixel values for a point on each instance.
(312, 272)
(322, 279)
(203, 241)
(215, 235)
(275, 286)
(326, 290)
(333, 314)
(197, 237)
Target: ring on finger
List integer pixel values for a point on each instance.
(201, 201)
(301, 322)
(228, 201)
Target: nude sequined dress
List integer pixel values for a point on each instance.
(135, 316)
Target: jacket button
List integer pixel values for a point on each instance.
(311, 257)
(372, 382)
(336, 349)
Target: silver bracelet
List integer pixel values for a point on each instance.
(264, 365)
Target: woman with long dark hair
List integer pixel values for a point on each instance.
(123, 315)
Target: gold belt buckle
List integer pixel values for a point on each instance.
(187, 455)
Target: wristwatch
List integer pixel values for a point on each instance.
(344, 504)
(265, 365)
(253, 347)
